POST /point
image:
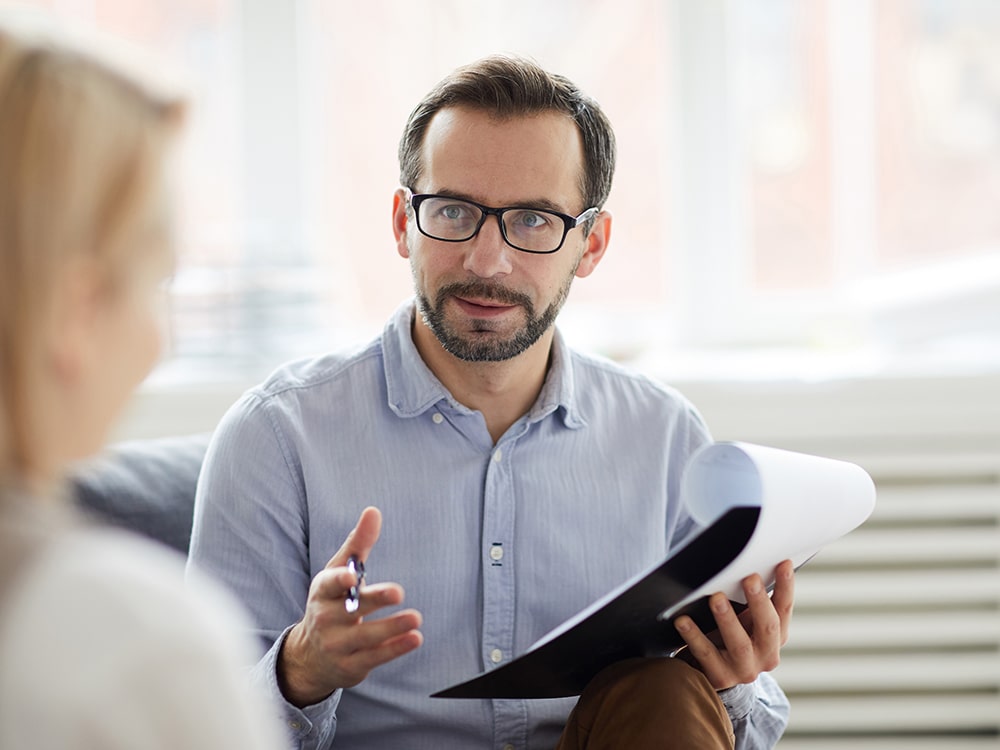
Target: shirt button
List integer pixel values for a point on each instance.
(295, 725)
(497, 455)
(508, 746)
(437, 418)
(496, 656)
(496, 552)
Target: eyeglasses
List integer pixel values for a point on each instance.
(531, 230)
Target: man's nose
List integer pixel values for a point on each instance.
(488, 254)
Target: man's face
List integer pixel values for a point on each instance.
(483, 299)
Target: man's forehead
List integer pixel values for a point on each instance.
(462, 115)
(524, 157)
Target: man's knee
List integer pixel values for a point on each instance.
(652, 701)
(656, 681)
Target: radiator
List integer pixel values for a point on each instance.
(895, 639)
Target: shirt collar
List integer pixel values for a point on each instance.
(412, 388)
(559, 389)
(410, 385)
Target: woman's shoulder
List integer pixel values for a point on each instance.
(89, 580)
(101, 624)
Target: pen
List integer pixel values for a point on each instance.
(357, 567)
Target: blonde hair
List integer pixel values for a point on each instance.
(82, 140)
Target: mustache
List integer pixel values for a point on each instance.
(486, 291)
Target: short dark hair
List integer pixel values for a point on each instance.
(507, 86)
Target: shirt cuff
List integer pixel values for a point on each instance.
(299, 722)
(739, 700)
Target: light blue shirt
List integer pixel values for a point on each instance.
(494, 544)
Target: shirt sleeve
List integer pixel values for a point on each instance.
(310, 727)
(759, 712)
(250, 532)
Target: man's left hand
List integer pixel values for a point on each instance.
(751, 642)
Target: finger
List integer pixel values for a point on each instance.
(377, 596)
(765, 625)
(708, 657)
(361, 539)
(783, 598)
(370, 644)
(371, 634)
(736, 641)
(362, 662)
(759, 619)
(333, 584)
(343, 635)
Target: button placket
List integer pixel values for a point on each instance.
(498, 578)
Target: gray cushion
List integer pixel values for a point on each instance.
(146, 486)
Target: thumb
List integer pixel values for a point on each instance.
(361, 539)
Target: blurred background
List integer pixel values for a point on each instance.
(806, 242)
(806, 187)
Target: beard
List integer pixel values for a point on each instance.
(485, 344)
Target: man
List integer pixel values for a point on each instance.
(519, 480)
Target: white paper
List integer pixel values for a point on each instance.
(805, 503)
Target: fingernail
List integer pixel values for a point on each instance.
(683, 624)
(720, 604)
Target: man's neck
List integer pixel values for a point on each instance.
(502, 391)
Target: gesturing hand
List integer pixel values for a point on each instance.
(331, 648)
(750, 643)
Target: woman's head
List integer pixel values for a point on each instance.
(83, 242)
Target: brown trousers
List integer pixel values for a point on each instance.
(654, 704)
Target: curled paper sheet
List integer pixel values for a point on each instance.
(805, 502)
(758, 506)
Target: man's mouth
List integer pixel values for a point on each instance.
(482, 308)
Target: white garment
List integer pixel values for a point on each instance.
(103, 645)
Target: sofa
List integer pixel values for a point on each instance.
(146, 486)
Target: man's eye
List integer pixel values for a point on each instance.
(532, 220)
(454, 212)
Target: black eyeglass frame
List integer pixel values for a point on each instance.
(569, 222)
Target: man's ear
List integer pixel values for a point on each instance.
(400, 222)
(596, 244)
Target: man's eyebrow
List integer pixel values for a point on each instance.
(543, 204)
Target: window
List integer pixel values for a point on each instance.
(841, 193)
(804, 176)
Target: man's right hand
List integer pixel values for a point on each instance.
(331, 648)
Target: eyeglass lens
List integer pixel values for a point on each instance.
(456, 220)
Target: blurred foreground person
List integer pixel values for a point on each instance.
(101, 645)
